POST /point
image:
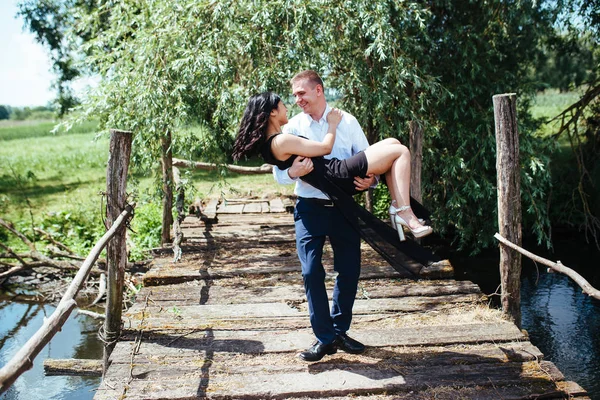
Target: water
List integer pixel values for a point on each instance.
(561, 320)
(18, 322)
(564, 324)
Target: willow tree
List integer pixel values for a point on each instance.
(167, 63)
(164, 64)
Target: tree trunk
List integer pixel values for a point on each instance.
(116, 186)
(167, 181)
(509, 202)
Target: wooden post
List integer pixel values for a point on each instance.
(116, 185)
(416, 161)
(179, 203)
(167, 181)
(509, 202)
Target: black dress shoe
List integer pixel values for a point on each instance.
(349, 345)
(317, 351)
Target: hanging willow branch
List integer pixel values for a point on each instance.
(569, 123)
(555, 266)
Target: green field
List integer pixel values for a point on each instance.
(53, 181)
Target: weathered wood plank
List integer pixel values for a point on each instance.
(229, 352)
(71, 366)
(255, 207)
(276, 206)
(207, 314)
(162, 381)
(237, 291)
(429, 335)
(547, 390)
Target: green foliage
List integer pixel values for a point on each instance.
(146, 229)
(49, 20)
(77, 226)
(32, 113)
(4, 113)
(481, 49)
(567, 62)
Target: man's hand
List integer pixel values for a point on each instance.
(300, 167)
(362, 184)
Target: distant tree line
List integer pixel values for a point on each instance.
(26, 113)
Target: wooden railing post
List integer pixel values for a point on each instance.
(116, 185)
(416, 162)
(509, 202)
(167, 183)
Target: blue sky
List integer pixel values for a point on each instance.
(25, 68)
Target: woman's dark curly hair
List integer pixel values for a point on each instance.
(254, 124)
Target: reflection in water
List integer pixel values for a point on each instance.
(564, 324)
(76, 340)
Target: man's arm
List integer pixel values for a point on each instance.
(300, 167)
(360, 143)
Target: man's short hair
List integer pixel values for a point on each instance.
(309, 75)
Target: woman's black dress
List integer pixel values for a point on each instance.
(335, 178)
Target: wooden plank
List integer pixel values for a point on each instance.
(276, 206)
(252, 208)
(163, 381)
(203, 314)
(523, 391)
(229, 351)
(233, 328)
(71, 366)
(225, 208)
(395, 333)
(238, 291)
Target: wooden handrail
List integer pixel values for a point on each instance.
(23, 360)
(263, 169)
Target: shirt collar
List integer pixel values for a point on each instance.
(308, 119)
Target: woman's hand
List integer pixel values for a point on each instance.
(334, 117)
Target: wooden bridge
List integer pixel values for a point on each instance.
(227, 321)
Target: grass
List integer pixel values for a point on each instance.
(54, 181)
(548, 105)
(11, 130)
(551, 102)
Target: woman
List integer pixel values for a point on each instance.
(260, 132)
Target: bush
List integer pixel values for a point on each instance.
(147, 227)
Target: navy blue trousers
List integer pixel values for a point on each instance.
(314, 223)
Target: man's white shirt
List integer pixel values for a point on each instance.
(350, 139)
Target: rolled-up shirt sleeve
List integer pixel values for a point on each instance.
(282, 177)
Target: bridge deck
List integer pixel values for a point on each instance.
(228, 320)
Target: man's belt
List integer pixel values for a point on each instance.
(317, 202)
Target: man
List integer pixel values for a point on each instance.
(316, 219)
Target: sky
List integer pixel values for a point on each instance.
(25, 68)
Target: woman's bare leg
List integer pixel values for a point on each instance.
(392, 158)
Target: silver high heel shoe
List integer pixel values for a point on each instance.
(398, 223)
(393, 210)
